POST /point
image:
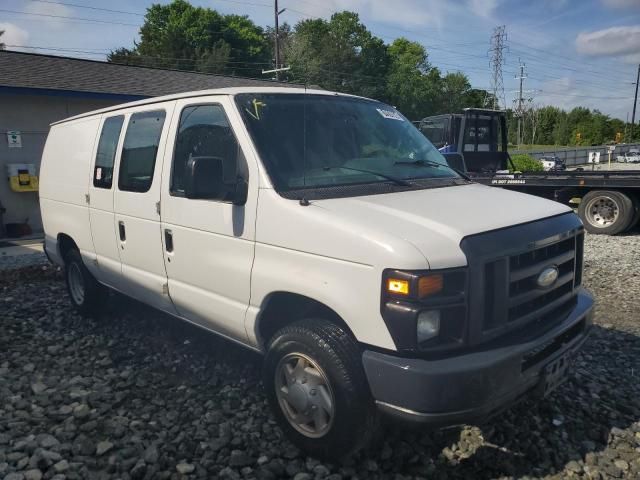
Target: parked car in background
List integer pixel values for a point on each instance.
(326, 232)
(632, 156)
(553, 164)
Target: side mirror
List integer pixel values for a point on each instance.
(455, 161)
(208, 178)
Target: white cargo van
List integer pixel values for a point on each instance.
(325, 231)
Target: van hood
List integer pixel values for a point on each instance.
(436, 220)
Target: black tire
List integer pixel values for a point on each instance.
(636, 217)
(93, 293)
(355, 419)
(621, 202)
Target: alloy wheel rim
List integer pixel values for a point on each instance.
(305, 395)
(602, 212)
(76, 283)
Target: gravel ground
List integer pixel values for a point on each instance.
(10, 262)
(138, 395)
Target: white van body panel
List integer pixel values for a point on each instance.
(65, 167)
(432, 221)
(102, 218)
(143, 273)
(209, 270)
(337, 261)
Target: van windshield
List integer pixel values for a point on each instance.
(312, 141)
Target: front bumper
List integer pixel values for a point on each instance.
(471, 387)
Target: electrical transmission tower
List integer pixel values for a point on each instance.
(498, 45)
(520, 107)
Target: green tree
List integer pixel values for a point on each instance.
(181, 36)
(339, 54)
(418, 89)
(561, 129)
(547, 119)
(412, 85)
(1, 44)
(457, 94)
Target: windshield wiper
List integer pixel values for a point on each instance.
(397, 181)
(420, 163)
(427, 163)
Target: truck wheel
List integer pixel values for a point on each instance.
(317, 389)
(636, 216)
(606, 212)
(86, 294)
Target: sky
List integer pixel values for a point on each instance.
(575, 52)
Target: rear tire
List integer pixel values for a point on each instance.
(606, 212)
(85, 293)
(317, 389)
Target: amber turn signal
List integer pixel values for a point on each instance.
(397, 286)
(430, 285)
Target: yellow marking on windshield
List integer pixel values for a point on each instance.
(257, 104)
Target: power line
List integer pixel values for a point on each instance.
(498, 46)
(93, 20)
(103, 52)
(88, 7)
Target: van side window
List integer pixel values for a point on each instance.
(139, 151)
(204, 131)
(103, 170)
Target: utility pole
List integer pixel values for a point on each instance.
(520, 102)
(498, 40)
(277, 69)
(277, 46)
(635, 101)
(626, 129)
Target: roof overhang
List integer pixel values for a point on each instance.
(120, 97)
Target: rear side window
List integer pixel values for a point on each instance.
(140, 150)
(103, 171)
(204, 131)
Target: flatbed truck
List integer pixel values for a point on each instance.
(475, 142)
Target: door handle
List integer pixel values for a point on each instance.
(121, 230)
(168, 240)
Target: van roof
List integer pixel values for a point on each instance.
(202, 93)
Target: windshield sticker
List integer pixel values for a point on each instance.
(390, 114)
(257, 105)
(99, 173)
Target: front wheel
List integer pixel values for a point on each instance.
(317, 389)
(86, 294)
(606, 212)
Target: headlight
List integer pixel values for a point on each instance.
(428, 325)
(422, 285)
(425, 309)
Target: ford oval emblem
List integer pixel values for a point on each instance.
(547, 277)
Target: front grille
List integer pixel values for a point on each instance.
(526, 298)
(504, 266)
(513, 296)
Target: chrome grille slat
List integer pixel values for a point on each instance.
(522, 273)
(546, 309)
(535, 293)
